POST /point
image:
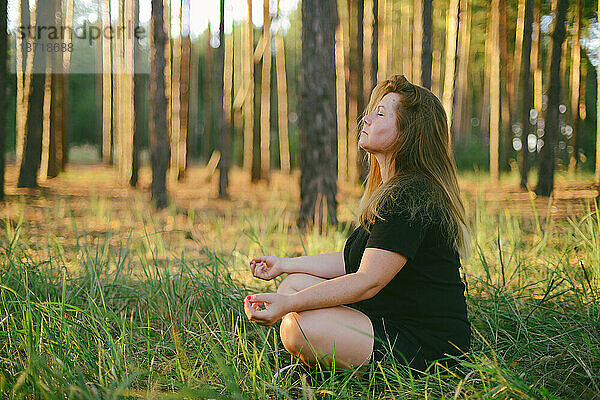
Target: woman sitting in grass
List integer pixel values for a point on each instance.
(396, 285)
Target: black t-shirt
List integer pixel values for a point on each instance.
(425, 299)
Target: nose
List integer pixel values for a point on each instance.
(367, 119)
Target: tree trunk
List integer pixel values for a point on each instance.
(32, 139)
(375, 45)
(462, 92)
(526, 89)
(282, 108)
(546, 171)
(175, 121)
(3, 87)
(426, 47)
(451, 34)
(184, 116)
(318, 146)
(106, 88)
(575, 84)
(63, 149)
(158, 124)
(406, 24)
(507, 108)
(23, 83)
(137, 104)
(417, 35)
(265, 97)
(356, 99)
(342, 126)
(495, 90)
(223, 79)
(249, 98)
(597, 170)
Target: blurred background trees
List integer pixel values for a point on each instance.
(232, 85)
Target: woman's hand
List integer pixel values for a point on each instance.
(276, 306)
(267, 267)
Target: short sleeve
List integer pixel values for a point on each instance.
(398, 233)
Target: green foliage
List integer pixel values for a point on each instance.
(108, 315)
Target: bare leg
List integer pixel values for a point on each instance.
(341, 331)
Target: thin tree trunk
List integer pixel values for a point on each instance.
(575, 84)
(546, 172)
(417, 36)
(282, 108)
(426, 45)
(317, 114)
(32, 146)
(265, 97)
(436, 55)
(342, 127)
(526, 90)
(406, 41)
(461, 117)
(207, 144)
(137, 104)
(451, 34)
(516, 67)
(158, 124)
(175, 97)
(494, 90)
(185, 89)
(63, 147)
(46, 122)
(23, 83)
(484, 126)
(382, 42)
(507, 108)
(224, 71)
(106, 88)
(375, 45)
(536, 62)
(597, 170)
(249, 98)
(3, 87)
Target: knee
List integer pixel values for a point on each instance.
(292, 336)
(291, 283)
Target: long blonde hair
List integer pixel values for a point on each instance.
(421, 151)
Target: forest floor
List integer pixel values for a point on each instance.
(133, 285)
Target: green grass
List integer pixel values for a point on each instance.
(109, 314)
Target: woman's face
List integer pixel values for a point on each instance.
(379, 130)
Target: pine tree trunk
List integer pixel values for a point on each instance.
(451, 34)
(597, 169)
(426, 46)
(507, 109)
(223, 79)
(526, 90)
(249, 98)
(175, 99)
(265, 97)
(32, 147)
(546, 171)
(158, 101)
(3, 87)
(282, 108)
(417, 35)
(342, 126)
(184, 116)
(575, 84)
(495, 90)
(318, 145)
(461, 117)
(106, 88)
(23, 84)
(356, 91)
(137, 103)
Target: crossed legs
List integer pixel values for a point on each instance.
(341, 331)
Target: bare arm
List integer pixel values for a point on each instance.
(330, 265)
(377, 268)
